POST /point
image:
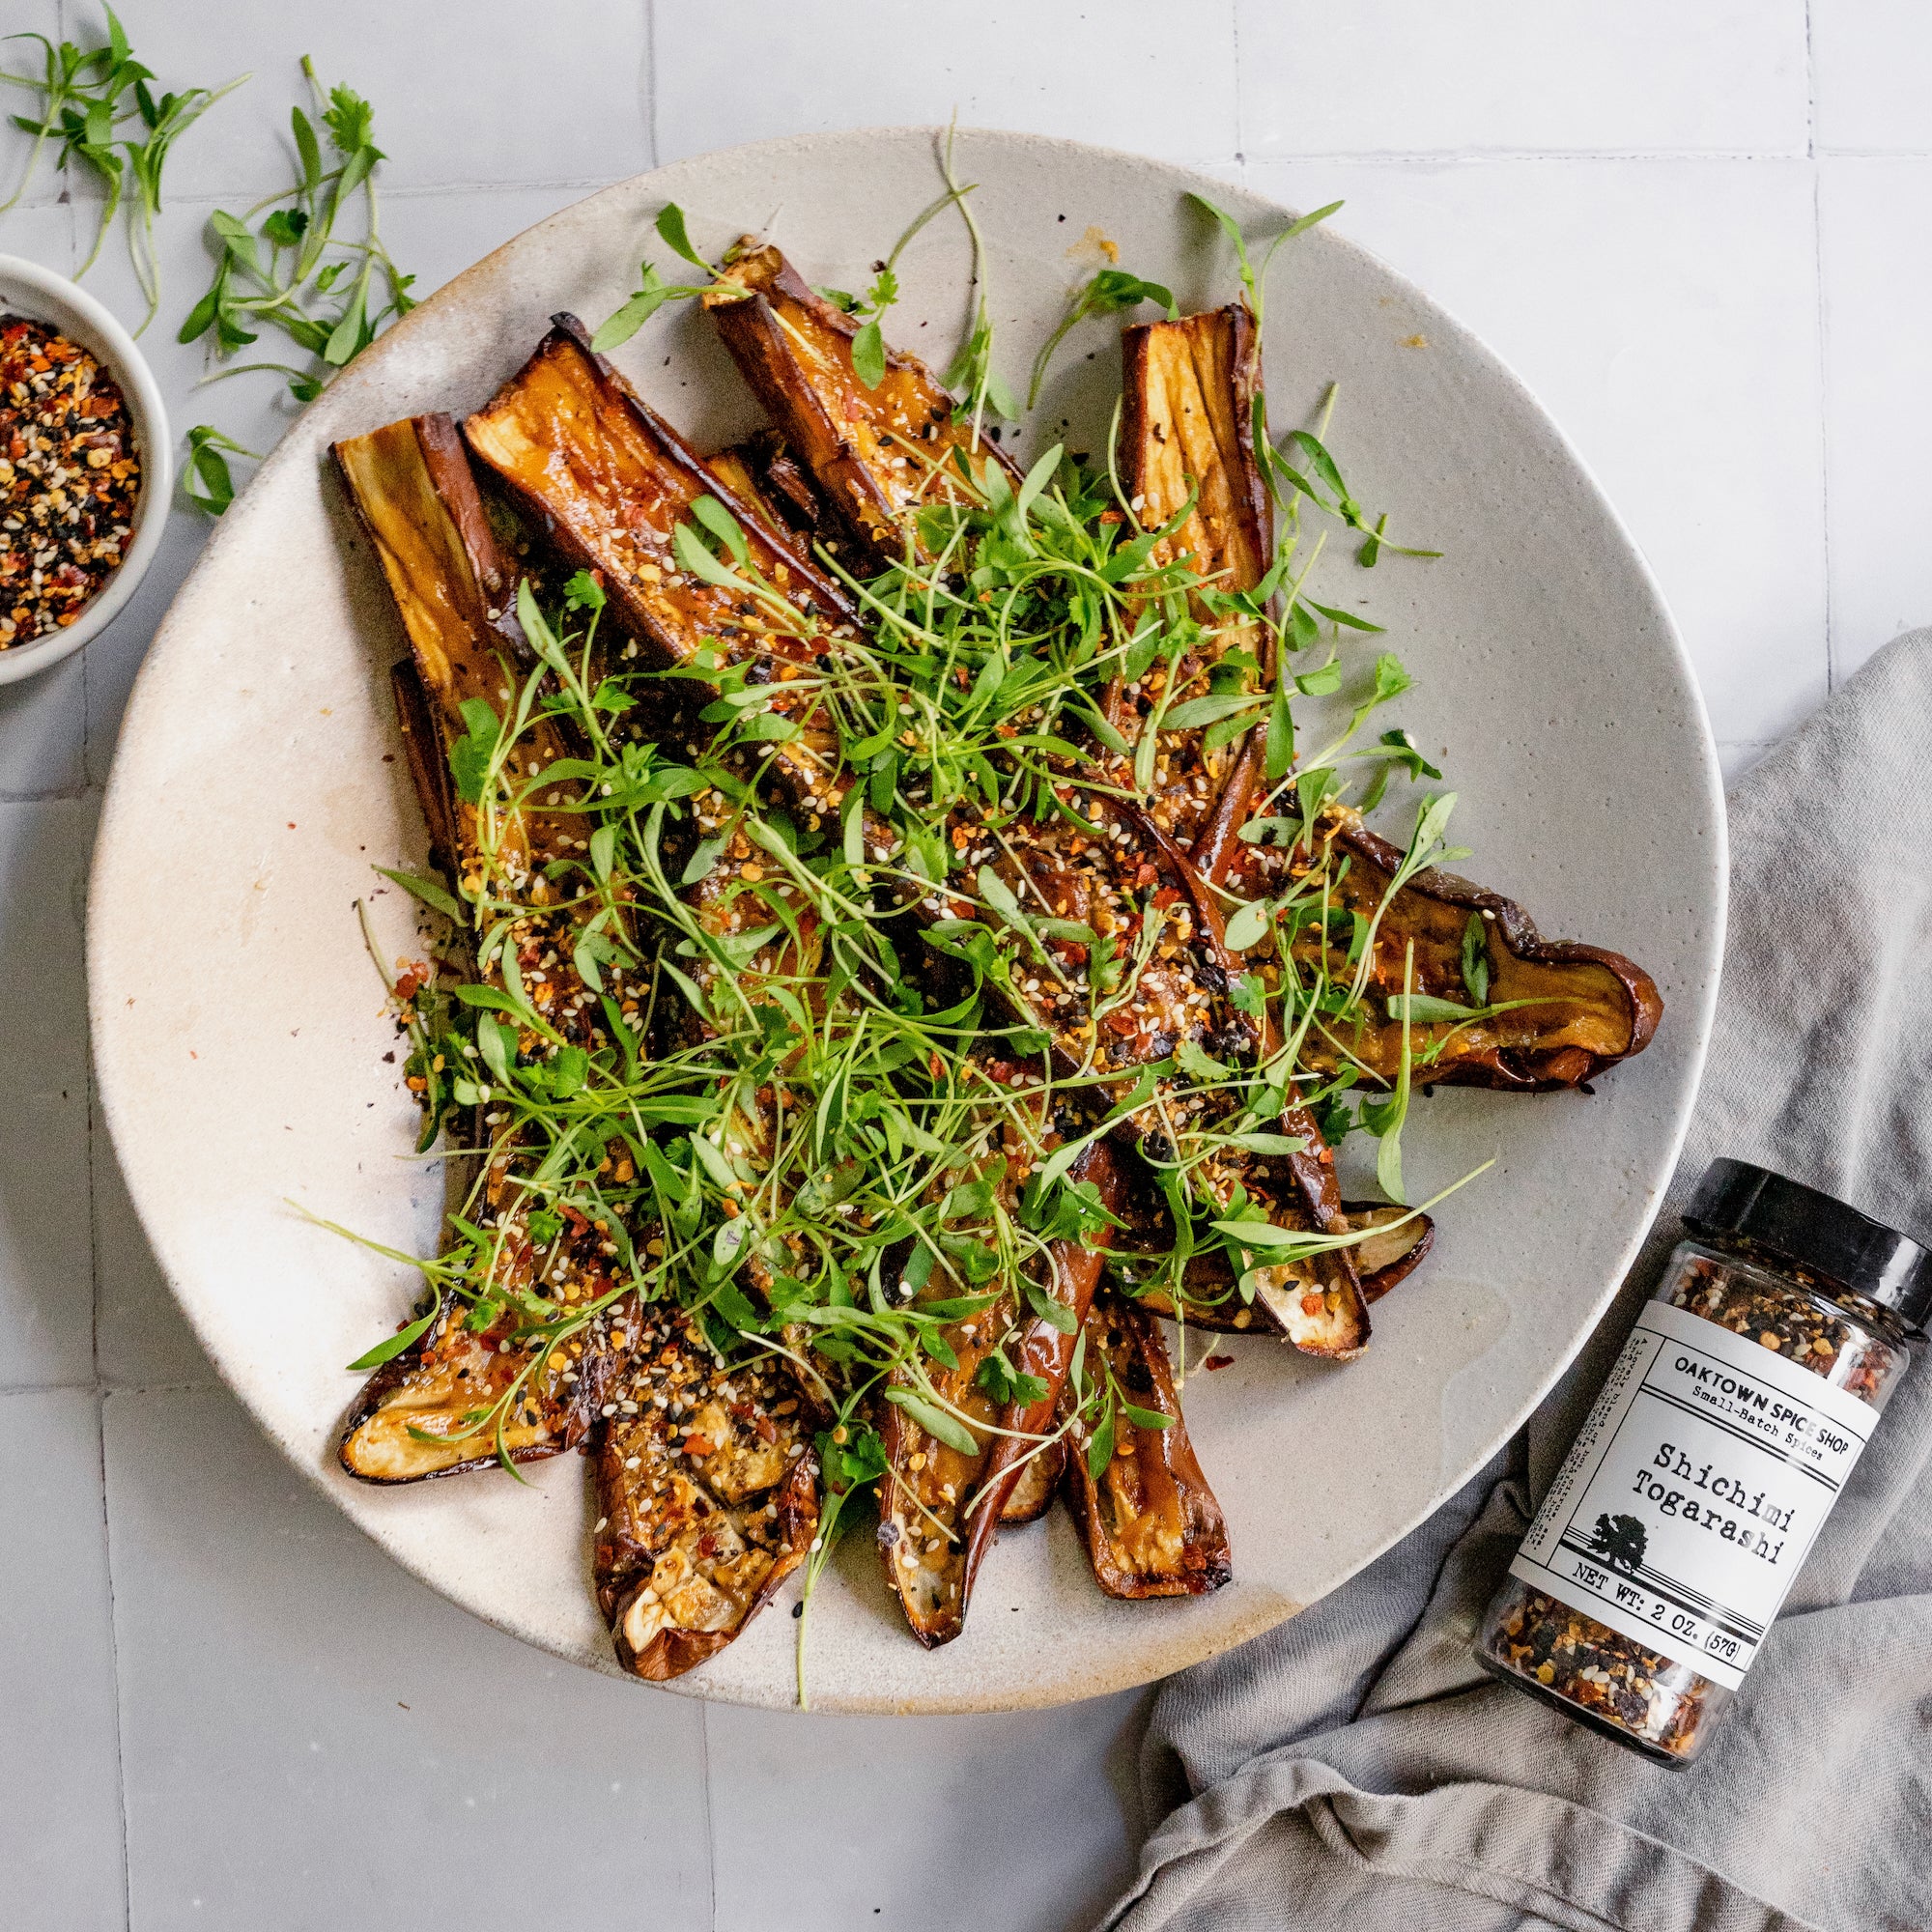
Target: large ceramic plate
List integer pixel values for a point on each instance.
(240, 1032)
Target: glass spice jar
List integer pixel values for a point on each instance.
(1718, 1443)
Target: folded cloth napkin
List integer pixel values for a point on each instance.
(1355, 1769)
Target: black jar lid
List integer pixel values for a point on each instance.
(1816, 1231)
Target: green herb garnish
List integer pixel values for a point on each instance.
(88, 96)
(291, 265)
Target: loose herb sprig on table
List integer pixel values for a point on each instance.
(289, 265)
(87, 96)
(293, 271)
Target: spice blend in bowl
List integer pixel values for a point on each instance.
(69, 479)
(90, 514)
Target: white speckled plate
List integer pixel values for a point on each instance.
(239, 1027)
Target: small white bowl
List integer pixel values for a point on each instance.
(26, 289)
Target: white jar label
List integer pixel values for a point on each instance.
(1684, 1511)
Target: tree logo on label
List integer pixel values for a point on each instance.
(1620, 1541)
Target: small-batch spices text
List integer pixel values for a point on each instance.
(69, 474)
(1719, 1442)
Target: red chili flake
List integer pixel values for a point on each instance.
(1166, 897)
(1218, 1362)
(699, 1445)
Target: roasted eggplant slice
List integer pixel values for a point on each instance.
(610, 483)
(1151, 1524)
(877, 455)
(455, 590)
(707, 1496)
(1398, 1242)
(1210, 1300)
(1015, 1465)
(1187, 431)
(1187, 452)
(1553, 1015)
(928, 1483)
(433, 1412)
(940, 1508)
(458, 1397)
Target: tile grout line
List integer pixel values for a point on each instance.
(710, 1820)
(1824, 358)
(114, 1659)
(1340, 156)
(1435, 157)
(1362, 156)
(652, 82)
(1235, 47)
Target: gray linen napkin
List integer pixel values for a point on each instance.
(1355, 1769)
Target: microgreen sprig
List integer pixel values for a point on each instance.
(653, 292)
(86, 96)
(291, 264)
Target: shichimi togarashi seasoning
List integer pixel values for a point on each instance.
(69, 477)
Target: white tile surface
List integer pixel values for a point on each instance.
(1126, 74)
(435, 236)
(42, 722)
(1491, 76)
(1872, 62)
(46, 1292)
(1878, 400)
(981, 1804)
(311, 1740)
(60, 1779)
(1666, 314)
(462, 93)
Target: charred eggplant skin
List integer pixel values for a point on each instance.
(429, 768)
(549, 434)
(875, 453)
(1047, 1354)
(453, 1372)
(1622, 985)
(1165, 457)
(707, 1499)
(1151, 1525)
